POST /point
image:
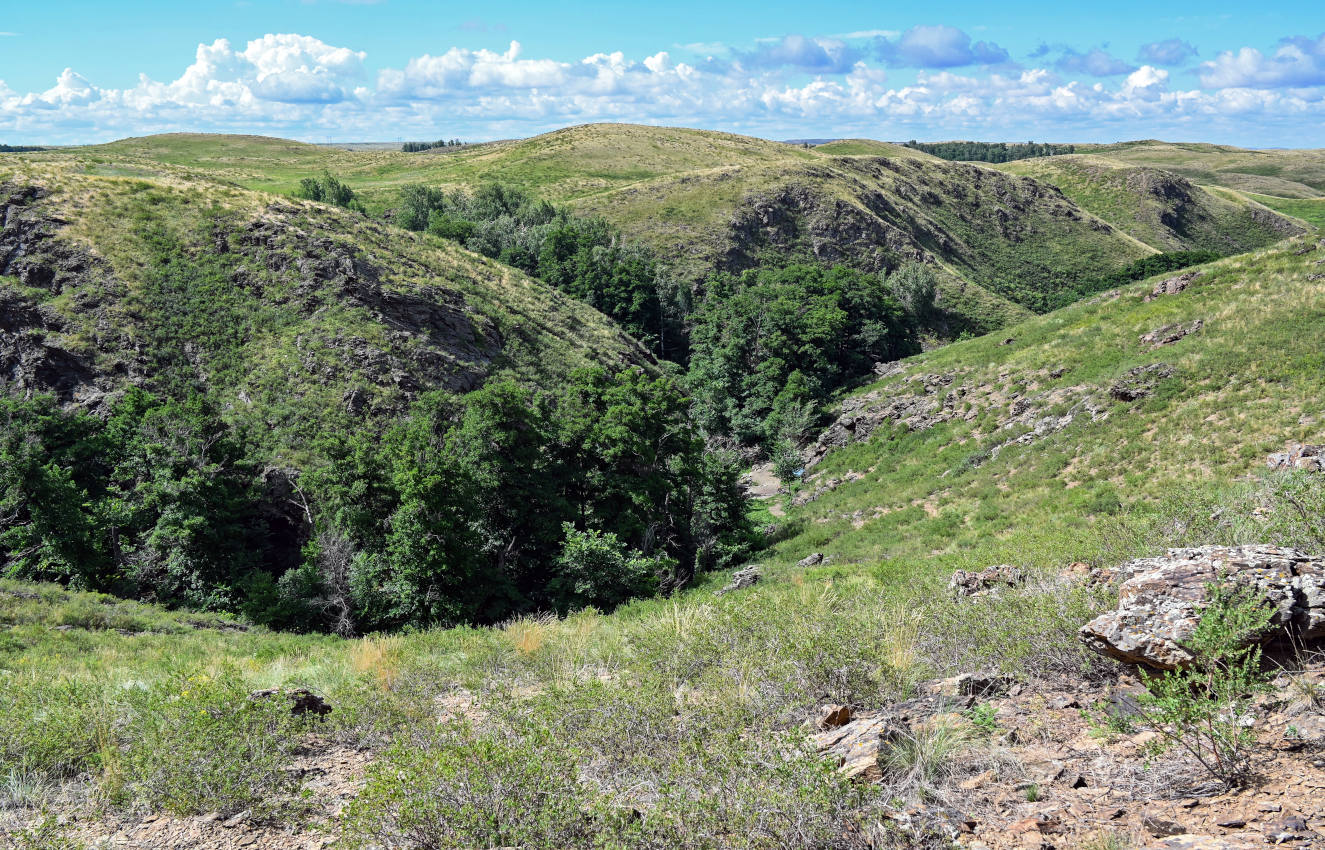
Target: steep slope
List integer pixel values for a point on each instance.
(1162, 209)
(1282, 173)
(290, 314)
(1014, 237)
(1009, 447)
(718, 201)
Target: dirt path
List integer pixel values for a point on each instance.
(763, 484)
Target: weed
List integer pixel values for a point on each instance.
(981, 718)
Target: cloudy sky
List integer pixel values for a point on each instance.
(386, 70)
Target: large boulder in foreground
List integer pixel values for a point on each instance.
(1161, 599)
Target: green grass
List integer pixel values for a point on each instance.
(1244, 386)
(869, 147)
(1157, 208)
(1310, 210)
(1284, 173)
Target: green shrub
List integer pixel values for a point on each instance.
(596, 568)
(198, 743)
(1204, 708)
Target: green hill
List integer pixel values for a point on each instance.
(1282, 173)
(1162, 209)
(289, 313)
(709, 200)
(1017, 447)
(868, 147)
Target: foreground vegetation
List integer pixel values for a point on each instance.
(671, 723)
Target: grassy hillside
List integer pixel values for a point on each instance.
(710, 200)
(289, 313)
(1283, 173)
(984, 452)
(1161, 209)
(1015, 238)
(561, 165)
(868, 147)
(1309, 210)
(682, 722)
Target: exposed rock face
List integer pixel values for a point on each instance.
(34, 357)
(87, 348)
(1161, 600)
(1169, 334)
(1298, 456)
(965, 583)
(741, 579)
(1140, 381)
(1172, 285)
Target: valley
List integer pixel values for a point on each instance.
(643, 487)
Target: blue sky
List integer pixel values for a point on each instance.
(398, 69)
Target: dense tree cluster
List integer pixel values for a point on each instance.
(769, 346)
(990, 151)
(20, 148)
(328, 190)
(417, 147)
(469, 509)
(1138, 270)
(584, 257)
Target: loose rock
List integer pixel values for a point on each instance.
(1298, 456)
(302, 700)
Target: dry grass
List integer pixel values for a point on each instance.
(379, 656)
(528, 634)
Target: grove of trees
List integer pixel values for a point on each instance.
(990, 151)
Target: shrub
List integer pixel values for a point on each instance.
(198, 743)
(596, 568)
(1203, 708)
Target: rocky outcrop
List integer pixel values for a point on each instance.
(1169, 334)
(1172, 285)
(965, 583)
(857, 745)
(34, 354)
(1161, 600)
(302, 700)
(1298, 456)
(741, 579)
(1140, 381)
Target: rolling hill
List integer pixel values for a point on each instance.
(1281, 173)
(710, 201)
(1027, 446)
(290, 314)
(1160, 208)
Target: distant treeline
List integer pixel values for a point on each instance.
(20, 148)
(415, 147)
(990, 151)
